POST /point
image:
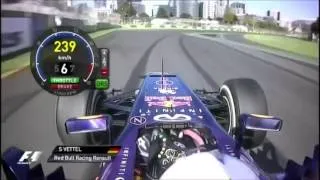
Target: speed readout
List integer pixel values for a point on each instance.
(65, 61)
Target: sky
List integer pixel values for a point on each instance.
(289, 9)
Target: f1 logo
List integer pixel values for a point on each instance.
(29, 156)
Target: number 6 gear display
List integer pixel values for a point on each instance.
(64, 61)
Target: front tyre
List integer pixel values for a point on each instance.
(244, 96)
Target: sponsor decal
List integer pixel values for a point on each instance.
(179, 144)
(11, 39)
(164, 82)
(143, 144)
(123, 163)
(16, 34)
(165, 87)
(164, 98)
(174, 118)
(171, 154)
(137, 120)
(169, 104)
(168, 101)
(167, 91)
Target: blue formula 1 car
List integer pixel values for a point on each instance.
(168, 131)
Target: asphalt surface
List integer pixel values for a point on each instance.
(28, 112)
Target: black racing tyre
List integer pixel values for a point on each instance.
(245, 96)
(82, 104)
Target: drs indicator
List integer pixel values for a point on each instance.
(102, 84)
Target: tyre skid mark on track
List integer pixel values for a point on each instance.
(213, 84)
(134, 77)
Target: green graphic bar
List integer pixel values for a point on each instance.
(64, 80)
(102, 84)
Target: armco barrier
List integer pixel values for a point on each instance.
(191, 27)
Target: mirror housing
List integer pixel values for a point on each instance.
(88, 124)
(258, 122)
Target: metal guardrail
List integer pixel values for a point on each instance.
(152, 26)
(235, 28)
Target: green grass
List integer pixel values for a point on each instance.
(23, 60)
(289, 44)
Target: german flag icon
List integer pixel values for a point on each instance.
(113, 150)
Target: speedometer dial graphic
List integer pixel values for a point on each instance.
(65, 61)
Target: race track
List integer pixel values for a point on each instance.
(28, 117)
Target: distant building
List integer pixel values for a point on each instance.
(212, 9)
(99, 9)
(151, 7)
(165, 7)
(173, 7)
(300, 26)
(120, 2)
(275, 14)
(209, 8)
(239, 9)
(187, 6)
(220, 8)
(111, 6)
(200, 10)
(285, 24)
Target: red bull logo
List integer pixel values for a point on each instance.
(168, 102)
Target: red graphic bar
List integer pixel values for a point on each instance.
(65, 86)
(104, 72)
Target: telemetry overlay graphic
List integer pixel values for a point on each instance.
(66, 61)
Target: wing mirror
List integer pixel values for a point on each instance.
(88, 124)
(260, 122)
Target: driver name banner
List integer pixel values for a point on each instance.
(80, 158)
(85, 154)
(86, 149)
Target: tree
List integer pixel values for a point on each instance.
(314, 29)
(82, 8)
(229, 17)
(143, 15)
(247, 20)
(126, 10)
(162, 13)
(185, 15)
(270, 25)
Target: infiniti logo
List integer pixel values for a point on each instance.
(169, 118)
